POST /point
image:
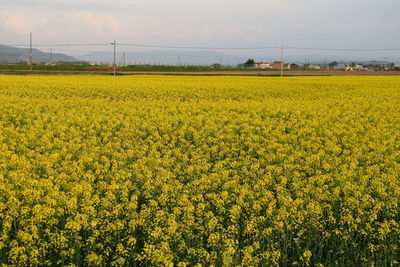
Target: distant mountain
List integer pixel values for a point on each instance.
(10, 54)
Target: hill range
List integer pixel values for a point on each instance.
(10, 55)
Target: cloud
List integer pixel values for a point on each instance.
(97, 23)
(324, 23)
(20, 23)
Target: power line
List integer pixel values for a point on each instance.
(208, 48)
(72, 51)
(200, 47)
(62, 45)
(114, 60)
(342, 49)
(259, 48)
(14, 36)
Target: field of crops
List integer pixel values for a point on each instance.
(199, 171)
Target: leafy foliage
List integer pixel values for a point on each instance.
(249, 63)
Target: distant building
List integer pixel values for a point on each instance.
(263, 65)
(313, 67)
(295, 66)
(339, 66)
(276, 65)
(355, 67)
(358, 67)
(373, 67)
(378, 65)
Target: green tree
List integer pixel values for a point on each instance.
(250, 63)
(332, 64)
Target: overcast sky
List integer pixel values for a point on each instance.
(305, 23)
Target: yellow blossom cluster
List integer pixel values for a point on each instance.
(199, 171)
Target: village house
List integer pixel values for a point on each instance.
(286, 66)
(313, 67)
(276, 65)
(373, 67)
(340, 66)
(295, 66)
(357, 67)
(263, 65)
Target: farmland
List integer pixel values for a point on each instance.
(24, 69)
(181, 170)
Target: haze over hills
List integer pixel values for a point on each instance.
(10, 54)
(165, 57)
(205, 57)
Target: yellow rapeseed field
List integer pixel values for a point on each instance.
(199, 171)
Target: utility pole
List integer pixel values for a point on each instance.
(122, 63)
(30, 50)
(282, 60)
(51, 56)
(115, 50)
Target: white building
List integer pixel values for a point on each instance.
(313, 67)
(263, 65)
